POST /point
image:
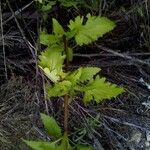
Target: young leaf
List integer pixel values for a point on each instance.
(94, 28)
(88, 73)
(83, 147)
(51, 62)
(52, 58)
(40, 145)
(59, 89)
(46, 5)
(99, 89)
(52, 75)
(76, 24)
(51, 126)
(57, 28)
(47, 39)
(68, 3)
(82, 74)
(74, 76)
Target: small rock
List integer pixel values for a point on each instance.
(148, 136)
(147, 144)
(136, 137)
(147, 103)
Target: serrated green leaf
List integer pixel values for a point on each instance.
(52, 75)
(76, 24)
(70, 34)
(46, 5)
(68, 3)
(59, 89)
(74, 76)
(51, 126)
(94, 28)
(58, 29)
(52, 58)
(99, 90)
(84, 147)
(47, 39)
(82, 74)
(41, 145)
(88, 73)
(51, 62)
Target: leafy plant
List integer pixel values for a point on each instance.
(89, 32)
(54, 62)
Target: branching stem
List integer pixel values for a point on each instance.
(66, 51)
(66, 97)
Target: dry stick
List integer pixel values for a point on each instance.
(102, 54)
(3, 41)
(30, 46)
(66, 97)
(147, 12)
(132, 59)
(66, 112)
(18, 12)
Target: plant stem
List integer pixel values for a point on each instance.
(66, 97)
(66, 52)
(66, 112)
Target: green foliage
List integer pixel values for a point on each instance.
(59, 89)
(64, 143)
(69, 3)
(61, 142)
(55, 38)
(51, 126)
(89, 32)
(74, 76)
(98, 89)
(83, 80)
(40, 1)
(88, 73)
(58, 29)
(41, 145)
(46, 5)
(52, 59)
(47, 39)
(51, 62)
(83, 147)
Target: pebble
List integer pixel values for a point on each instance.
(147, 144)
(148, 136)
(136, 137)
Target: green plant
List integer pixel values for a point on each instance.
(46, 5)
(54, 62)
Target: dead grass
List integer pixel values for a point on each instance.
(16, 112)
